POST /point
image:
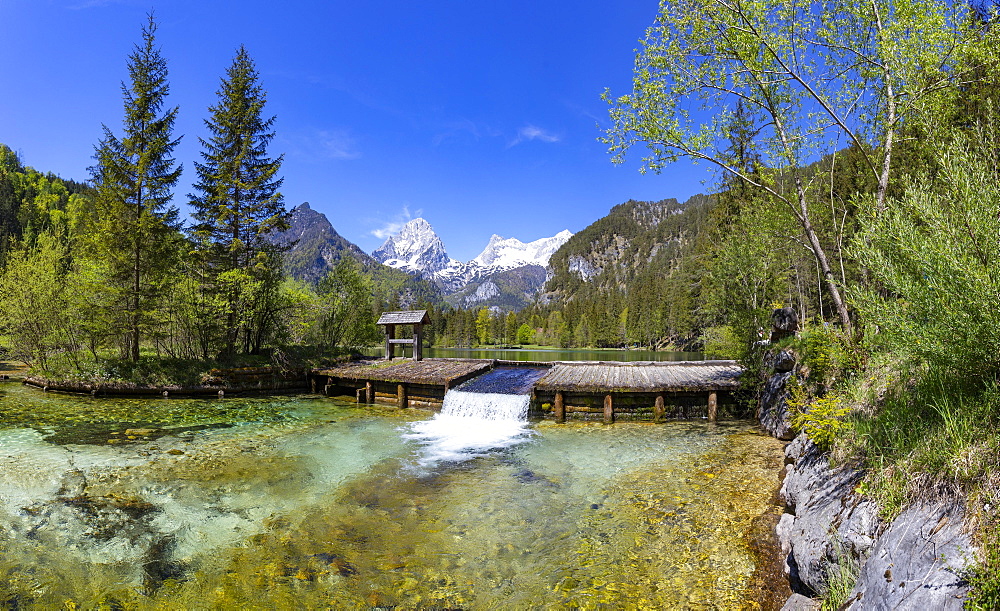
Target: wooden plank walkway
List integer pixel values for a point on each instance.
(654, 377)
(442, 372)
(626, 389)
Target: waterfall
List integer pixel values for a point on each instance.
(485, 406)
(472, 424)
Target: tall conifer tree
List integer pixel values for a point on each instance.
(135, 228)
(238, 204)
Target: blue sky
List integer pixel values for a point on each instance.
(482, 117)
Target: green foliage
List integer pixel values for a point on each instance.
(133, 228)
(525, 334)
(721, 343)
(841, 577)
(824, 419)
(346, 307)
(823, 353)
(984, 578)
(34, 299)
(483, 326)
(935, 263)
(932, 431)
(238, 205)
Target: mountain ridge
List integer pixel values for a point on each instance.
(417, 249)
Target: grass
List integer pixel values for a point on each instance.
(927, 435)
(840, 580)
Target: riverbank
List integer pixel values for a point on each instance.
(846, 543)
(218, 382)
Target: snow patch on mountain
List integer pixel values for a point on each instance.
(417, 249)
(508, 253)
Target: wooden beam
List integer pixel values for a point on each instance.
(559, 407)
(418, 341)
(713, 405)
(390, 334)
(369, 392)
(658, 409)
(609, 410)
(401, 395)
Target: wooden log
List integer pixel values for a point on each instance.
(369, 392)
(559, 407)
(713, 406)
(658, 409)
(609, 410)
(401, 395)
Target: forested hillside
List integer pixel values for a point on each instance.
(32, 202)
(312, 248)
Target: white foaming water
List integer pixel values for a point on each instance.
(471, 424)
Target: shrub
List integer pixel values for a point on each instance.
(934, 261)
(721, 342)
(823, 419)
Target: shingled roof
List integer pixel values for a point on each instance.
(408, 317)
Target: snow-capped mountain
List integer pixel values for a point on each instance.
(416, 249)
(508, 271)
(509, 253)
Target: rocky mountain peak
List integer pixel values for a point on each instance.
(415, 248)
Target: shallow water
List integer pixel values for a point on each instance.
(304, 502)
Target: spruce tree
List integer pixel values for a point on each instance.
(135, 229)
(238, 204)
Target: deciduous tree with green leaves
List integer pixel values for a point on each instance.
(347, 308)
(810, 78)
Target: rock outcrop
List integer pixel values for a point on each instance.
(913, 562)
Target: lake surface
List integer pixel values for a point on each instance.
(313, 502)
(560, 355)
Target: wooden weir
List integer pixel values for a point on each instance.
(636, 391)
(605, 390)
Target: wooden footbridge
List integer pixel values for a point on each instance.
(604, 390)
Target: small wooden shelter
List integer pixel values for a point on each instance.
(390, 320)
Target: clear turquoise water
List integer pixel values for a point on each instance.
(309, 502)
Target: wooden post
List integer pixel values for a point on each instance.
(609, 410)
(713, 405)
(312, 384)
(359, 395)
(390, 348)
(401, 395)
(418, 342)
(369, 392)
(658, 408)
(559, 407)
